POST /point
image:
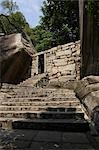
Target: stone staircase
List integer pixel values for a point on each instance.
(30, 107)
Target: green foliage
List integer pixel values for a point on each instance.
(41, 38)
(13, 22)
(59, 23)
(62, 19)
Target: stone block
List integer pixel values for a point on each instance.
(7, 124)
(73, 50)
(64, 46)
(54, 48)
(77, 42)
(78, 77)
(77, 59)
(74, 54)
(59, 47)
(61, 68)
(49, 69)
(72, 46)
(65, 52)
(71, 62)
(77, 46)
(65, 72)
(60, 62)
(70, 67)
(58, 57)
(58, 74)
(52, 57)
(69, 44)
(68, 52)
(80, 90)
(78, 52)
(48, 54)
(66, 69)
(71, 58)
(91, 79)
(63, 57)
(66, 78)
(52, 81)
(60, 53)
(92, 104)
(54, 70)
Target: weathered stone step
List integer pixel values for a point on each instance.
(42, 115)
(37, 103)
(35, 89)
(33, 99)
(38, 108)
(19, 95)
(38, 90)
(72, 125)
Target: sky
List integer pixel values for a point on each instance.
(30, 9)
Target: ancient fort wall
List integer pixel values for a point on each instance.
(61, 62)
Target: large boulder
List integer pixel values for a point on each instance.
(15, 58)
(87, 90)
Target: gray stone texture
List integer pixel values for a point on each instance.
(88, 92)
(45, 140)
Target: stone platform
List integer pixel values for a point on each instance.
(47, 140)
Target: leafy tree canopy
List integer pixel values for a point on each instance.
(58, 25)
(62, 19)
(41, 38)
(14, 21)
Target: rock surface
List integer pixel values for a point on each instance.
(88, 92)
(15, 58)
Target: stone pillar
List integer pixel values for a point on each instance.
(89, 40)
(89, 27)
(45, 63)
(36, 64)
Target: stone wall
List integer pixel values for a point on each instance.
(61, 62)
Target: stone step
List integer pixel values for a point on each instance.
(19, 95)
(34, 99)
(38, 90)
(69, 125)
(35, 89)
(41, 103)
(43, 108)
(42, 115)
